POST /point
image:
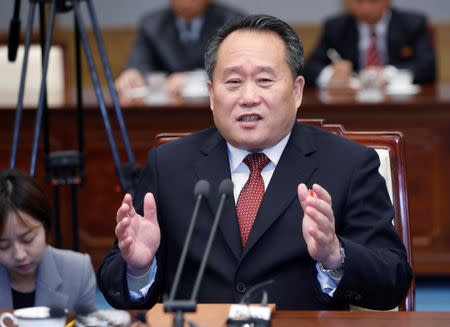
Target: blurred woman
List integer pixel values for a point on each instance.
(33, 273)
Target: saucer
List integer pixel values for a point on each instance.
(409, 89)
(194, 92)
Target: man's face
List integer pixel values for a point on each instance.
(368, 11)
(253, 96)
(22, 245)
(189, 9)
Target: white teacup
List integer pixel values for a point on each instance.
(402, 78)
(33, 317)
(196, 85)
(156, 82)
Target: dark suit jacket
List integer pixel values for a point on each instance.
(408, 45)
(158, 47)
(377, 274)
(65, 279)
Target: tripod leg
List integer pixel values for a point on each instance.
(18, 116)
(57, 215)
(37, 126)
(98, 93)
(109, 79)
(45, 117)
(75, 230)
(79, 90)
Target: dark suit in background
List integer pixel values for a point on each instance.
(158, 46)
(408, 45)
(376, 268)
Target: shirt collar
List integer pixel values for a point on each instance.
(195, 29)
(236, 156)
(380, 27)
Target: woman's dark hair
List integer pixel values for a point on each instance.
(20, 193)
(258, 23)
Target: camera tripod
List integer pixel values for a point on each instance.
(67, 167)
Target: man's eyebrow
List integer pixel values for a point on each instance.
(230, 70)
(265, 69)
(238, 69)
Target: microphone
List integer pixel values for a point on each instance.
(201, 190)
(14, 33)
(225, 191)
(190, 305)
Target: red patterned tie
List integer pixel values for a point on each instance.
(251, 194)
(373, 57)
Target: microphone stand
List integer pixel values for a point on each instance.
(67, 167)
(179, 307)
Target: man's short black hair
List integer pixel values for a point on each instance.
(258, 23)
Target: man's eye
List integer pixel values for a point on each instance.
(265, 81)
(233, 81)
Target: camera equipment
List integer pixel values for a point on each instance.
(67, 167)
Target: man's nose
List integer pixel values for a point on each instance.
(249, 95)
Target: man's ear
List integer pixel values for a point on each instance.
(211, 95)
(299, 84)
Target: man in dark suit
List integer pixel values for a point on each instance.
(323, 230)
(402, 39)
(173, 40)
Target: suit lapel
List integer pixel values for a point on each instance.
(395, 39)
(48, 282)
(294, 167)
(214, 167)
(351, 43)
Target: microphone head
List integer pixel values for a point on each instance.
(201, 188)
(226, 187)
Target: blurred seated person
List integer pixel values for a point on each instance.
(372, 35)
(172, 40)
(33, 273)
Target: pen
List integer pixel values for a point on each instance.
(333, 55)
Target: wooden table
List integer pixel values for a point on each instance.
(357, 319)
(423, 118)
(211, 315)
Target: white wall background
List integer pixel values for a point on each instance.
(119, 13)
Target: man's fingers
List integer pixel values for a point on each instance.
(128, 199)
(149, 207)
(121, 228)
(302, 192)
(122, 212)
(319, 209)
(125, 244)
(322, 193)
(319, 237)
(124, 209)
